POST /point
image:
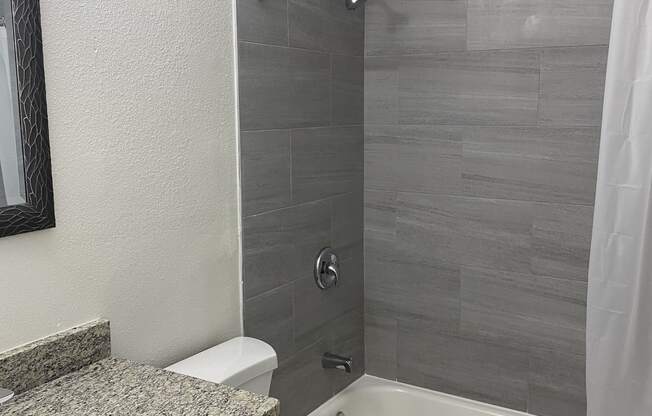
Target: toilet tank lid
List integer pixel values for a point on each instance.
(233, 362)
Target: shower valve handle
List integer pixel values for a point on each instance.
(327, 269)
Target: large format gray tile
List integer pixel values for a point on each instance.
(557, 383)
(503, 24)
(381, 335)
(413, 158)
(280, 246)
(348, 90)
(314, 309)
(300, 383)
(379, 217)
(405, 283)
(263, 21)
(531, 163)
(283, 87)
(381, 86)
(326, 162)
(427, 228)
(561, 241)
(474, 232)
(269, 317)
(522, 310)
(326, 26)
(461, 366)
(494, 233)
(348, 224)
(572, 86)
(494, 87)
(403, 27)
(346, 338)
(265, 170)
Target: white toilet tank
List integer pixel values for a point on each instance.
(244, 363)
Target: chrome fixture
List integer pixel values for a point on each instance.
(327, 269)
(5, 395)
(329, 360)
(353, 4)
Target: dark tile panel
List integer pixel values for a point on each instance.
(476, 232)
(315, 309)
(572, 86)
(427, 227)
(561, 241)
(381, 90)
(379, 217)
(403, 27)
(280, 246)
(413, 158)
(501, 24)
(462, 366)
(347, 90)
(283, 87)
(405, 284)
(269, 317)
(381, 336)
(326, 161)
(327, 26)
(346, 338)
(477, 88)
(531, 163)
(348, 224)
(300, 383)
(557, 383)
(522, 310)
(263, 21)
(266, 160)
(519, 236)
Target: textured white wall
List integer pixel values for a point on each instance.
(144, 151)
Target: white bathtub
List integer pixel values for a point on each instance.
(373, 396)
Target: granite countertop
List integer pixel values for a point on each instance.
(120, 387)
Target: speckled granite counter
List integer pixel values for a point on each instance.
(119, 387)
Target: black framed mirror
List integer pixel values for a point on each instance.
(26, 195)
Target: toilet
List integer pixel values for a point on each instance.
(242, 362)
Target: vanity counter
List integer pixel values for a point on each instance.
(118, 387)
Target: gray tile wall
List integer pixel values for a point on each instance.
(482, 122)
(301, 74)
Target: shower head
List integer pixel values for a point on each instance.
(353, 4)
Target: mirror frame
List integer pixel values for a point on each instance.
(38, 211)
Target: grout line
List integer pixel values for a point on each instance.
(461, 196)
(297, 48)
(460, 51)
(300, 204)
(291, 136)
(539, 95)
(287, 20)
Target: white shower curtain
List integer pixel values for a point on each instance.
(619, 327)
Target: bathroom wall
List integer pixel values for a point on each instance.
(141, 108)
(481, 140)
(301, 116)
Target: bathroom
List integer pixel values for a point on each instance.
(337, 207)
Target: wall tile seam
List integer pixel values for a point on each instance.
(301, 204)
(291, 285)
(296, 48)
(458, 333)
(470, 51)
(289, 129)
(285, 285)
(471, 197)
(459, 265)
(478, 125)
